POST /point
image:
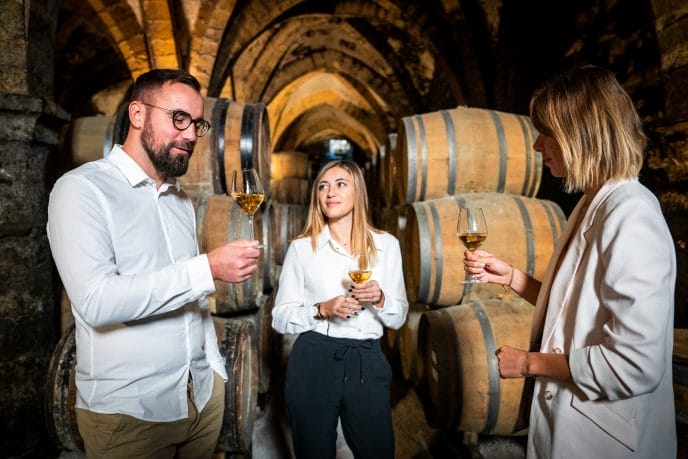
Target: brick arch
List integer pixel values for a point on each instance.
(318, 89)
(321, 122)
(383, 92)
(206, 37)
(240, 31)
(126, 34)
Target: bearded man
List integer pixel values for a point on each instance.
(149, 375)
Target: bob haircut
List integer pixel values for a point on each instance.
(361, 239)
(593, 120)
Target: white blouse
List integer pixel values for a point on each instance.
(310, 277)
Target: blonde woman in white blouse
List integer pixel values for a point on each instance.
(336, 369)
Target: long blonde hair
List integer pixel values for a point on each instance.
(592, 118)
(361, 239)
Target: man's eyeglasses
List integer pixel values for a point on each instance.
(182, 120)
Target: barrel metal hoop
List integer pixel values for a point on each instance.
(528, 188)
(492, 366)
(218, 119)
(438, 251)
(528, 230)
(424, 157)
(499, 126)
(425, 268)
(450, 365)
(411, 159)
(451, 151)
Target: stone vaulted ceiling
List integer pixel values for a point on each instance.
(324, 68)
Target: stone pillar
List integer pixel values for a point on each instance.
(29, 123)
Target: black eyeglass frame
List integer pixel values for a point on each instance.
(201, 126)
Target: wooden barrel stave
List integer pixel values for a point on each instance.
(291, 190)
(289, 164)
(412, 366)
(522, 230)
(462, 389)
(466, 150)
(287, 221)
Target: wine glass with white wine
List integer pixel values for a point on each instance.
(247, 192)
(472, 231)
(360, 269)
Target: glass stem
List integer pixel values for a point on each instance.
(250, 227)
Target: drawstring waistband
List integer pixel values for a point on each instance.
(343, 352)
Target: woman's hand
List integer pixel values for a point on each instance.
(488, 267)
(368, 292)
(513, 363)
(341, 306)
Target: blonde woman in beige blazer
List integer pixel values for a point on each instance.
(602, 332)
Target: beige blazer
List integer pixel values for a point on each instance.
(610, 307)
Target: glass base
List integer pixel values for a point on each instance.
(474, 281)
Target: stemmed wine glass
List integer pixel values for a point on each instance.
(472, 231)
(247, 192)
(360, 269)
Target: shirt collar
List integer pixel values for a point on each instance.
(133, 172)
(324, 237)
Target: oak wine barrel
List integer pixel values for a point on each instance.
(60, 394)
(465, 150)
(291, 190)
(412, 366)
(288, 220)
(521, 230)
(237, 341)
(266, 340)
(289, 164)
(220, 220)
(237, 344)
(461, 387)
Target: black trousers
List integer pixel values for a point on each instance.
(336, 378)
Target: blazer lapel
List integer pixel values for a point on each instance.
(543, 296)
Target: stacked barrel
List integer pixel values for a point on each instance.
(445, 160)
(239, 138)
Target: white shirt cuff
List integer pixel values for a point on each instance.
(200, 277)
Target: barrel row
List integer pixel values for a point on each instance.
(522, 230)
(458, 151)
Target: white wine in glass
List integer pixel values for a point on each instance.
(360, 270)
(472, 230)
(247, 192)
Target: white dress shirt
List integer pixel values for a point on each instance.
(128, 258)
(310, 277)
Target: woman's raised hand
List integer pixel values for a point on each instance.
(488, 267)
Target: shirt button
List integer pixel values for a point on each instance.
(556, 350)
(548, 395)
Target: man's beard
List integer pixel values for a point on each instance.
(161, 157)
